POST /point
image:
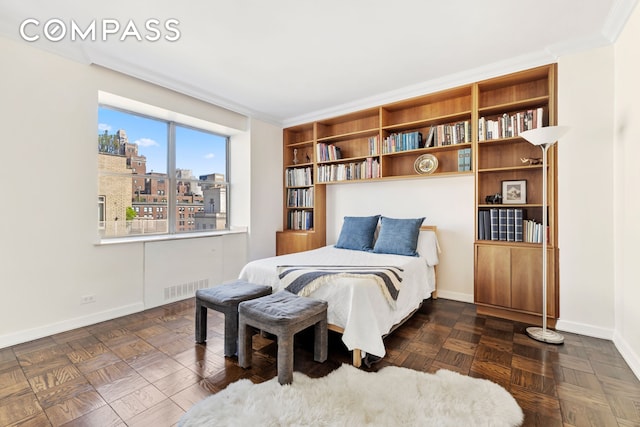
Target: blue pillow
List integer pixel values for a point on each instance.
(357, 232)
(398, 236)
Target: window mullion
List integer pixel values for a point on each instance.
(171, 169)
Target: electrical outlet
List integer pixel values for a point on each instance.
(86, 299)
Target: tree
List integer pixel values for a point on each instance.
(131, 213)
(108, 143)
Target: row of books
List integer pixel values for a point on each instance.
(300, 220)
(402, 142)
(449, 134)
(464, 159)
(508, 224)
(300, 197)
(510, 125)
(328, 152)
(298, 177)
(369, 168)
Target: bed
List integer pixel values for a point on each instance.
(359, 305)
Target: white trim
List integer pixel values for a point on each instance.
(630, 356)
(455, 296)
(20, 337)
(584, 329)
(616, 20)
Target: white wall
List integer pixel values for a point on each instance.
(48, 216)
(446, 202)
(585, 192)
(626, 201)
(266, 188)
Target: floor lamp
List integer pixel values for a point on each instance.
(544, 137)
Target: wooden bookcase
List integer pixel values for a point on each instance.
(353, 148)
(508, 273)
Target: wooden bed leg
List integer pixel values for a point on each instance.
(434, 294)
(357, 357)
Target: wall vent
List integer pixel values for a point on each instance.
(184, 290)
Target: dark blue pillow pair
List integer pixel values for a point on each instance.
(396, 236)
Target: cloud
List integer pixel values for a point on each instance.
(103, 126)
(209, 156)
(145, 142)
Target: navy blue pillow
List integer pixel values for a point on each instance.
(398, 236)
(357, 233)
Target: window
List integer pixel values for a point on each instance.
(152, 170)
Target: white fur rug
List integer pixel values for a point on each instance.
(392, 396)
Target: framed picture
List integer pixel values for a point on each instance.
(514, 192)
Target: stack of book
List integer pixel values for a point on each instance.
(300, 197)
(298, 177)
(328, 152)
(507, 224)
(464, 159)
(402, 142)
(367, 169)
(300, 220)
(509, 125)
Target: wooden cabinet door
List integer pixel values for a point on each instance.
(493, 275)
(526, 280)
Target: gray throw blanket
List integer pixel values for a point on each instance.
(304, 279)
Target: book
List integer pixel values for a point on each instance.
(430, 137)
(502, 224)
(487, 225)
(518, 213)
(481, 226)
(495, 235)
(511, 225)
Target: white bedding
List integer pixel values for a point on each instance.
(356, 304)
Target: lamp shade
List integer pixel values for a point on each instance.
(544, 135)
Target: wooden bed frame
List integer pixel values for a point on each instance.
(357, 353)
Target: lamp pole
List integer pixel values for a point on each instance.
(544, 137)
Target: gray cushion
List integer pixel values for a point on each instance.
(232, 293)
(281, 307)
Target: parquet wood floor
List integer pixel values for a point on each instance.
(146, 370)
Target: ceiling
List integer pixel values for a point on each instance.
(290, 61)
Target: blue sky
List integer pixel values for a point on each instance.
(202, 152)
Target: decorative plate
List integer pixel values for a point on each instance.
(426, 163)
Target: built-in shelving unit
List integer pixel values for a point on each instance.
(481, 121)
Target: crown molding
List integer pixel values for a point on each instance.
(447, 82)
(617, 19)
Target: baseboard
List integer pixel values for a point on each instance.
(630, 356)
(584, 329)
(23, 336)
(456, 296)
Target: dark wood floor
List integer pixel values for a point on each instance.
(145, 370)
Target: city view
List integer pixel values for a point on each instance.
(135, 195)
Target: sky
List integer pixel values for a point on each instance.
(200, 151)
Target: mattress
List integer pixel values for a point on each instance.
(357, 305)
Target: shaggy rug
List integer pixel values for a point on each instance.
(393, 396)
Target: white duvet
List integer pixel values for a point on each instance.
(357, 304)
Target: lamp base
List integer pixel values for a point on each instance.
(545, 335)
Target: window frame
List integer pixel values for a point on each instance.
(171, 176)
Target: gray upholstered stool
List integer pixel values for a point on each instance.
(225, 299)
(282, 314)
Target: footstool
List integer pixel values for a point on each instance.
(282, 314)
(225, 299)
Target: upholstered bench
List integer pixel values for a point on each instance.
(282, 314)
(225, 299)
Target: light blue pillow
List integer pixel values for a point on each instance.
(398, 236)
(357, 233)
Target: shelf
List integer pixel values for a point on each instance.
(299, 144)
(348, 160)
(464, 115)
(512, 106)
(349, 135)
(510, 169)
(299, 165)
(516, 244)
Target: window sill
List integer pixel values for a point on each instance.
(165, 237)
